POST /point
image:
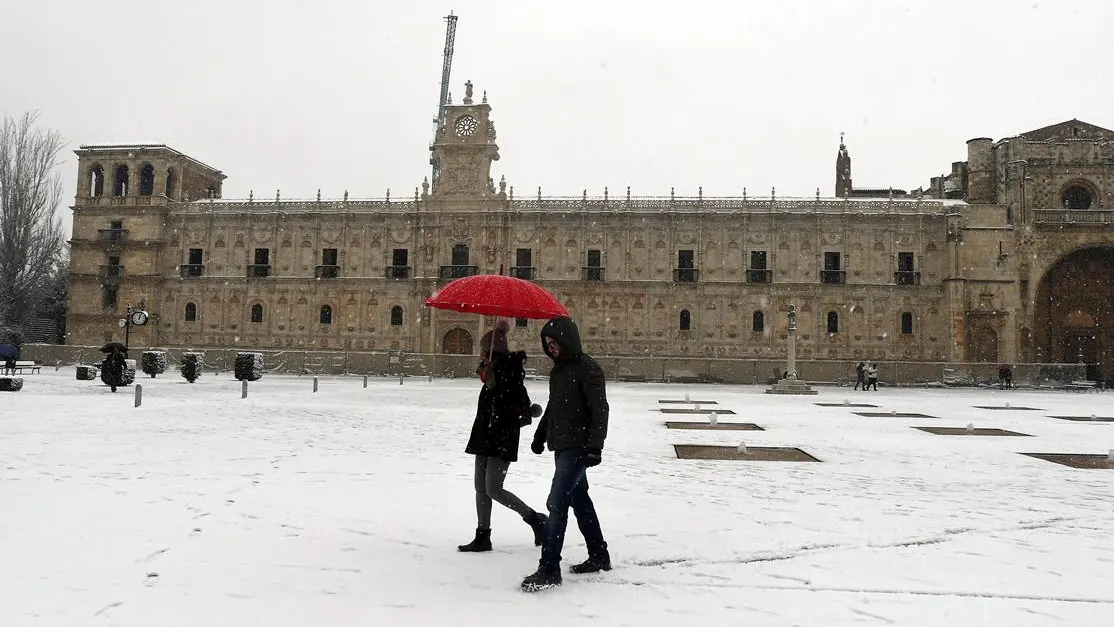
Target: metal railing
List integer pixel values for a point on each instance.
(833, 277)
(398, 272)
(259, 270)
(327, 271)
(188, 270)
(593, 273)
(457, 272)
(523, 272)
(686, 275)
(760, 275)
(907, 277)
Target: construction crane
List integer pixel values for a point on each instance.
(450, 37)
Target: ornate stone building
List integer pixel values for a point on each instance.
(1006, 258)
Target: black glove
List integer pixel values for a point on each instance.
(592, 457)
(538, 446)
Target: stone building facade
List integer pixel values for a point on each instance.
(1006, 258)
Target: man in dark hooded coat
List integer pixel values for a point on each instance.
(113, 368)
(574, 426)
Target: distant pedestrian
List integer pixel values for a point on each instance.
(113, 367)
(1005, 377)
(860, 376)
(871, 377)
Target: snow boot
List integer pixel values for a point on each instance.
(592, 565)
(541, 580)
(480, 544)
(537, 523)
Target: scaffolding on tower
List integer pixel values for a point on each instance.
(450, 37)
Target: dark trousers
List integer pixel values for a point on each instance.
(570, 489)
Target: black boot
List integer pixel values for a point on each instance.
(541, 580)
(480, 544)
(592, 565)
(537, 523)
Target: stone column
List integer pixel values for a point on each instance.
(791, 361)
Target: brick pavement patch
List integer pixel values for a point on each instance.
(719, 426)
(752, 453)
(966, 431)
(1076, 460)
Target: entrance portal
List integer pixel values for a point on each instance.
(457, 342)
(1075, 309)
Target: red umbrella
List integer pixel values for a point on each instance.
(497, 295)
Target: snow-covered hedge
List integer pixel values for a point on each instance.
(191, 366)
(154, 362)
(11, 384)
(86, 373)
(129, 372)
(249, 366)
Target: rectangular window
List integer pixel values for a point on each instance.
(906, 273)
(523, 264)
(113, 261)
(685, 271)
(400, 264)
(521, 322)
(194, 266)
(328, 268)
(116, 225)
(194, 257)
(594, 270)
(906, 323)
(833, 273)
(262, 266)
(905, 262)
(262, 256)
(108, 297)
(329, 257)
(758, 272)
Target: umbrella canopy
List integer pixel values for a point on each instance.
(498, 295)
(8, 351)
(111, 346)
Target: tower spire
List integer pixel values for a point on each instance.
(843, 170)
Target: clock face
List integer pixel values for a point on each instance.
(139, 318)
(466, 125)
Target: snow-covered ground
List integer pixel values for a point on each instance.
(345, 507)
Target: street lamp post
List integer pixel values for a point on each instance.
(132, 317)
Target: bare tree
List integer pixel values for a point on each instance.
(31, 236)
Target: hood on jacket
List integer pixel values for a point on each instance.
(509, 368)
(564, 331)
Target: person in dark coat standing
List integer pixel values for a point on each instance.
(860, 376)
(574, 426)
(113, 367)
(502, 411)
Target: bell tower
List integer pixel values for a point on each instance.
(465, 146)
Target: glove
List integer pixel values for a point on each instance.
(592, 457)
(538, 446)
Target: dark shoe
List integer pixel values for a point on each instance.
(541, 580)
(479, 545)
(537, 523)
(591, 565)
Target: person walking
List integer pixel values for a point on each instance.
(113, 367)
(860, 376)
(871, 377)
(503, 409)
(574, 426)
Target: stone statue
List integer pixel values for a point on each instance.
(502, 184)
(468, 92)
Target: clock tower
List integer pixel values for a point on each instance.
(465, 147)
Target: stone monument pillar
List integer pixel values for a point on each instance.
(790, 384)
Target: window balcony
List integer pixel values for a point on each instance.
(686, 275)
(327, 272)
(760, 275)
(907, 277)
(458, 272)
(259, 270)
(191, 270)
(523, 272)
(833, 277)
(398, 272)
(593, 274)
(111, 274)
(112, 239)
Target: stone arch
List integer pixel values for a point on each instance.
(171, 184)
(457, 341)
(146, 180)
(120, 180)
(1073, 313)
(96, 180)
(1079, 195)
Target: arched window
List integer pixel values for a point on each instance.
(326, 314)
(191, 312)
(147, 180)
(171, 183)
(396, 316)
(906, 323)
(833, 322)
(1076, 197)
(758, 322)
(686, 320)
(120, 185)
(257, 313)
(96, 180)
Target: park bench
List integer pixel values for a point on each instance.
(21, 367)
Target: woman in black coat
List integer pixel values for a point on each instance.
(113, 369)
(503, 409)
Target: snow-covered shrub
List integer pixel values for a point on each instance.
(249, 366)
(129, 372)
(86, 373)
(11, 384)
(191, 366)
(154, 362)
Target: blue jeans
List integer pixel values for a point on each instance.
(570, 489)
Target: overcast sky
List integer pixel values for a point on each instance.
(340, 94)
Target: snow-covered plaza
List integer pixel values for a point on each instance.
(345, 506)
